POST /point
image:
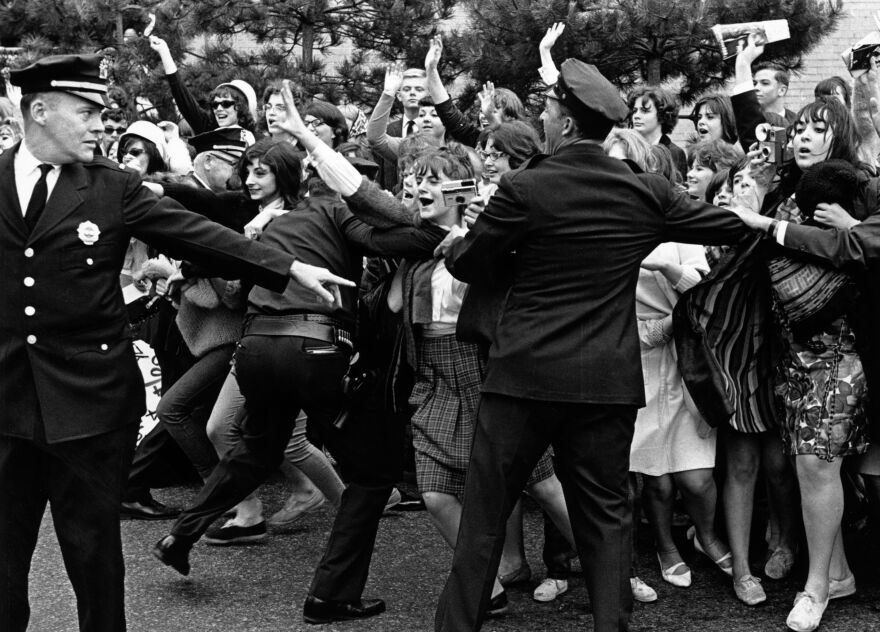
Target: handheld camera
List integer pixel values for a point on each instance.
(458, 191)
(773, 143)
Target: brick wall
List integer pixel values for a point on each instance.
(824, 61)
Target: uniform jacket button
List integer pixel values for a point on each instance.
(29, 310)
(28, 252)
(32, 339)
(29, 281)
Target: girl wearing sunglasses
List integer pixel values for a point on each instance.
(232, 104)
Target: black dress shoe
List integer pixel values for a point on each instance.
(149, 509)
(174, 552)
(498, 606)
(319, 611)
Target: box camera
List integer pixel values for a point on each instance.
(858, 57)
(458, 191)
(773, 143)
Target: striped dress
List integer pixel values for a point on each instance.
(729, 351)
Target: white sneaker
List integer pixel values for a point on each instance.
(550, 589)
(641, 591)
(806, 614)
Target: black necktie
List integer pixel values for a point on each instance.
(410, 128)
(38, 198)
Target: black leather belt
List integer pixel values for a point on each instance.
(316, 326)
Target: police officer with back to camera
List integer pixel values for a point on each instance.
(564, 366)
(70, 389)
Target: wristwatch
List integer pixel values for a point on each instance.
(771, 227)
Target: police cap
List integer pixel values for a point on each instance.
(583, 89)
(230, 141)
(79, 75)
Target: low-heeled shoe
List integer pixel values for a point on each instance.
(839, 588)
(173, 552)
(319, 611)
(682, 580)
(231, 533)
(294, 509)
(518, 576)
(149, 509)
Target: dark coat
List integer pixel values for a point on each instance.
(580, 224)
(67, 363)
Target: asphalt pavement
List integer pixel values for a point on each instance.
(260, 588)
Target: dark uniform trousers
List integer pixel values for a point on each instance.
(70, 389)
(592, 444)
(278, 377)
(82, 480)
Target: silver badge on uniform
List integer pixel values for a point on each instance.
(88, 233)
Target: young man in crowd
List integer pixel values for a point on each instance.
(771, 84)
(412, 90)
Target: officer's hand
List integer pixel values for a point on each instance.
(321, 281)
(834, 215)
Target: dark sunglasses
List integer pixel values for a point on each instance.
(113, 130)
(135, 151)
(224, 103)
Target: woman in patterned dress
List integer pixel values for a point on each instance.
(826, 332)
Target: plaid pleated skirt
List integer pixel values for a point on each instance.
(446, 396)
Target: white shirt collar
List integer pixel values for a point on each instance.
(274, 205)
(27, 163)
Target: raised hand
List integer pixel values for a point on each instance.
(159, 45)
(753, 50)
(13, 93)
(486, 99)
(393, 77)
(550, 37)
(293, 123)
(435, 52)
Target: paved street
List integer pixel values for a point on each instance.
(260, 588)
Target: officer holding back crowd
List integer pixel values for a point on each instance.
(70, 389)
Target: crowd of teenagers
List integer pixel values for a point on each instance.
(757, 359)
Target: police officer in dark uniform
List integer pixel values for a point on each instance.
(70, 389)
(564, 367)
(217, 155)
